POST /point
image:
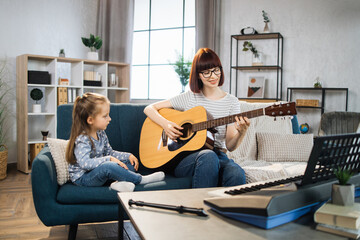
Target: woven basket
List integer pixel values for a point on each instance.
(3, 162)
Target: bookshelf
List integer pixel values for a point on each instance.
(30, 124)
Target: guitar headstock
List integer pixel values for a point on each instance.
(282, 109)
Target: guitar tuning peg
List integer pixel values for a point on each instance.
(274, 118)
(291, 117)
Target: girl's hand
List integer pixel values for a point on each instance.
(172, 130)
(242, 124)
(134, 161)
(121, 164)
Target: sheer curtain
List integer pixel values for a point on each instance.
(115, 23)
(207, 21)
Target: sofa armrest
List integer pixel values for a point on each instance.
(44, 184)
(295, 125)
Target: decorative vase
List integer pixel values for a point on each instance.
(266, 28)
(343, 195)
(36, 108)
(93, 56)
(257, 59)
(45, 133)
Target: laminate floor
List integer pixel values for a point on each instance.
(18, 218)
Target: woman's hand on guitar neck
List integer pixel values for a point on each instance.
(242, 124)
(172, 130)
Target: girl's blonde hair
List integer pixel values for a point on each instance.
(88, 105)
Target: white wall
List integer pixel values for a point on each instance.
(321, 39)
(42, 27)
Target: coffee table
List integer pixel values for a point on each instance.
(153, 223)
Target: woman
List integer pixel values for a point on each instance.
(209, 168)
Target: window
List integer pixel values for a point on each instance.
(163, 29)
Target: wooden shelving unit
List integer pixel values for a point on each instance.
(30, 124)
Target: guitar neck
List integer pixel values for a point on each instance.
(226, 120)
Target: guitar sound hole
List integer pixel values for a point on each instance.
(186, 131)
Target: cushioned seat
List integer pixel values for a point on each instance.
(339, 123)
(72, 194)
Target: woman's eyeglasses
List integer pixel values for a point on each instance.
(208, 73)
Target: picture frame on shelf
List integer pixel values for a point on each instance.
(256, 87)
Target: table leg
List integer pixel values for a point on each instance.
(121, 223)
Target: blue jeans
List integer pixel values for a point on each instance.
(210, 169)
(109, 171)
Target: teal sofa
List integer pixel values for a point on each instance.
(71, 205)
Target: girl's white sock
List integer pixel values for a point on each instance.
(122, 186)
(154, 177)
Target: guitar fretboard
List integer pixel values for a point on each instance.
(226, 120)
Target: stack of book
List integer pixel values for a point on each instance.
(340, 220)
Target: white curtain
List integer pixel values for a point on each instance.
(207, 21)
(115, 24)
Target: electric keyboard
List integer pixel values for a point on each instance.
(270, 203)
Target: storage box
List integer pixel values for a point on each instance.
(92, 83)
(39, 77)
(307, 102)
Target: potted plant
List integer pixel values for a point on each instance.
(247, 45)
(62, 53)
(266, 21)
(36, 95)
(94, 43)
(343, 193)
(317, 83)
(4, 92)
(182, 69)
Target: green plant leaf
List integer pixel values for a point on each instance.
(343, 175)
(92, 38)
(86, 41)
(98, 43)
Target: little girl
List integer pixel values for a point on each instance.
(92, 161)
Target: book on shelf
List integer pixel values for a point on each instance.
(341, 216)
(70, 95)
(62, 96)
(73, 95)
(346, 232)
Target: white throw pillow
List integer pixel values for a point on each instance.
(248, 148)
(58, 149)
(274, 147)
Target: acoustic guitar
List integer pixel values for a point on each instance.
(156, 149)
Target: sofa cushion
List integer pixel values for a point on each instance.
(248, 148)
(275, 147)
(58, 148)
(73, 194)
(260, 170)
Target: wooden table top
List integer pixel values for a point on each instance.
(153, 223)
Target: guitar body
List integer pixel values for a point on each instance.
(156, 149)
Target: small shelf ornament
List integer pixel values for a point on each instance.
(266, 21)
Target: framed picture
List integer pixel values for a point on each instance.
(256, 87)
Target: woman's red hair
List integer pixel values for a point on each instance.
(204, 59)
